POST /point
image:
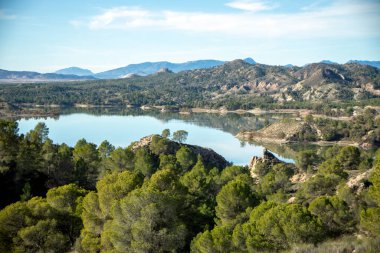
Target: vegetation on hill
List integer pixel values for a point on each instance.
(363, 129)
(158, 195)
(233, 85)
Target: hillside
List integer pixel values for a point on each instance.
(375, 64)
(234, 85)
(323, 131)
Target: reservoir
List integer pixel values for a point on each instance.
(121, 129)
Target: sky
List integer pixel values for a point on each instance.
(46, 35)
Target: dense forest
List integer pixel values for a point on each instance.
(233, 85)
(161, 195)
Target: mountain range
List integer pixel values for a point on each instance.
(132, 70)
(29, 76)
(148, 68)
(233, 85)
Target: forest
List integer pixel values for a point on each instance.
(161, 195)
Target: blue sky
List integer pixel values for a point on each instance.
(46, 35)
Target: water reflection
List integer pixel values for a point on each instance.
(214, 131)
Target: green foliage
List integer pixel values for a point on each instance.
(8, 144)
(216, 240)
(272, 227)
(231, 172)
(370, 220)
(317, 186)
(119, 160)
(145, 163)
(160, 145)
(196, 180)
(42, 225)
(105, 149)
(334, 213)
(232, 200)
(97, 207)
(276, 179)
(332, 166)
(370, 217)
(306, 159)
(26, 192)
(180, 136)
(186, 158)
(146, 221)
(349, 158)
(86, 159)
(165, 133)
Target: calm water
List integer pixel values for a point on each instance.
(121, 130)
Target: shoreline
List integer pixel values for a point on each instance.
(248, 137)
(26, 108)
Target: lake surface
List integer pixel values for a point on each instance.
(206, 130)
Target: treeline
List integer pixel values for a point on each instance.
(163, 196)
(362, 128)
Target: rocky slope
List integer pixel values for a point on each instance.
(317, 81)
(281, 132)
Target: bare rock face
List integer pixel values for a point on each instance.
(358, 183)
(143, 142)
(268, 159)
(299, 178)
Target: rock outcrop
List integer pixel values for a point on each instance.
(358, 182)
(281, 132)
(209, 156)
(268, 160)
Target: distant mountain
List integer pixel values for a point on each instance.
(28, 76)
(75, 71)
(250, 60)
(148, 68)
(375, 64)
(328, 62)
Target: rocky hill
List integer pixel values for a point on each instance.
(370, 63)
(320, 131)
(234, 85)
(208, 155)
(317, 81)
(281, 132)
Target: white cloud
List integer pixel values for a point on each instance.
(252, 6)
(131, 17)
(3, 15)
(337, 20)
